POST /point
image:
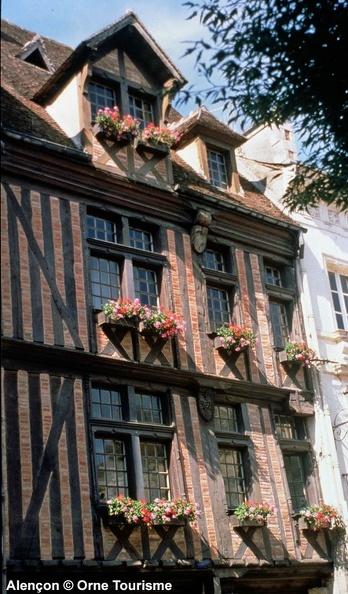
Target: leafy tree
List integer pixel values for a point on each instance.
(280, 60)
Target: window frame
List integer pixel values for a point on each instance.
(126, 256)
(285, 305)
(132, 434)
(299, 427)
(223, 280)
(218, 151)
(341, 296)
(112, 86)
(300, 447)
(239, 496)
(307, 471)
(213, 324)
(239, 441)
(116, 288)
(122, 90)
(143, 97)
(282, 295)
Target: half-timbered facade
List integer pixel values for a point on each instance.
(93, 407)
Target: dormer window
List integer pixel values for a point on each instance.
(217, 169)
(141, 109)
(36, 59)
(34, 53)
(100, 97)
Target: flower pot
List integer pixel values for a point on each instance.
(120, 519)
(283, 358)
(173, 522)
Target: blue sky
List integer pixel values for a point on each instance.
(72, 21)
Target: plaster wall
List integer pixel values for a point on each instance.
(190, 154)
(65, 110)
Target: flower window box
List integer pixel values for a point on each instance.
(120, 520)
(103, 318)
(157, 140)
(218, 346)
(297, 354)
(161, 150)
(318, 517)
(250, 513)
(111, 124)
(237, 523)
(176, 512)
(234, 338)
(122, 139)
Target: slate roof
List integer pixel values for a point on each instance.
(21, 81)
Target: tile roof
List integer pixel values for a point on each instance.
(22, 80)
(22, 76)
(204, 120)
(250, 198)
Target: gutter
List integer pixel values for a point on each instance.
(226, 205)
(47, 144)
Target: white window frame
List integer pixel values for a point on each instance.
(342, 311)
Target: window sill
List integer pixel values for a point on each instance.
(280, 292)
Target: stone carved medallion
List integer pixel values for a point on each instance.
(206, 397)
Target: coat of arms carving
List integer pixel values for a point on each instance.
(206, 397)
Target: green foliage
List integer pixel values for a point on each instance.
(279, 60)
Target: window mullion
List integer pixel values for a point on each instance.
(138, 469)
(128, 279)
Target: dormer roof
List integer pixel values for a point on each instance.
(127, 33)
(34, 52)
(20, 73)
(203, 122)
